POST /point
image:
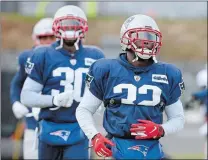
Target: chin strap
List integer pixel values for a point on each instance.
(76, 44)
(61, 40)
(154, 59)
(136, 58)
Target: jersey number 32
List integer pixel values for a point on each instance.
(132, 92)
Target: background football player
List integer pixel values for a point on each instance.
(59, 72)
(136, 89)
(199, 98)
(42, 35)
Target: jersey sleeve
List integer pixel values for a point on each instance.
(177, 86)
(35, 66)
(95, 80)
(19, 78)
(200, 95)
(100, 54)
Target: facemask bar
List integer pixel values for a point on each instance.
(70, 23)
(70, 28)
(143, 35)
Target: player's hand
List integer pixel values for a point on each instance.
(64, 99)
(146, 130)
(19, 110)
(99, 143)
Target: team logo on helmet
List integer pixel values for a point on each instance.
(126, 23)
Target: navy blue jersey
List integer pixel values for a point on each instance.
(202, 97)
(133, 92)
(58, 71)
(17, 84)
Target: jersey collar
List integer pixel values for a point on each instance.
(65, 52)
(123, 60)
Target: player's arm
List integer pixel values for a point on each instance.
(84, 115)
(17, 82)
(90, 103)
(175, 118)
(174, 108)
(30, 95)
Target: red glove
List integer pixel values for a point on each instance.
(99, 144)
(146, 130)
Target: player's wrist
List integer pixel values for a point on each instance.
(16, 102)
(161, 131)
(54, 102)
(95, 136)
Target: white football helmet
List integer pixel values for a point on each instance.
(141, 29)
(42, 28)
(201, 78)
(70, 23)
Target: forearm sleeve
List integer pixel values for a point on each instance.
(175, 118)
(85, 111)
(31, 97)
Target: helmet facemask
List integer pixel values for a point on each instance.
(144, 42)
(71, 29)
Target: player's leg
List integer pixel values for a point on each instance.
(29, 152)
(77, 151)
(46, 151)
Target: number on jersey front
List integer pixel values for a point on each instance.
(132, 94)
(72, 76)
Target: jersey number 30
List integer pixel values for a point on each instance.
(132, 94)
(72, 76)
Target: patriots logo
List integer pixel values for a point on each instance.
(141, 148)
(126, 23)
(61, 133)
(88, 79)
(28, 66)
(182, 87)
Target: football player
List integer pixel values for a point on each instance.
(200, 97)
(135, 89)
(201, 78)
(42, 35)
(201, 81)
(59, 72)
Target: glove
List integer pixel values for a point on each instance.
(147, 130)
(99, 145)
(64, 99)
(35, 112)
(19, 110)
